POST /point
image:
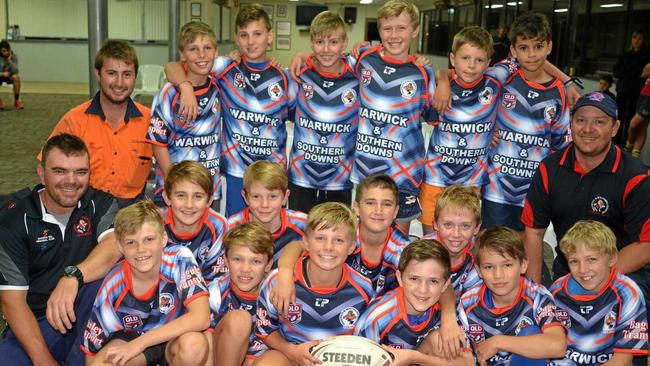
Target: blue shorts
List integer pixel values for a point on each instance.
(494, 213)
(409, 207)
(234, 200)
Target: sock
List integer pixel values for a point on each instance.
(636, 153)
(629, 145)
(16, 96)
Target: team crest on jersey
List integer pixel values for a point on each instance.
(165, 302)
(600, 205)
(381, 281)
(408, 89)
(240, 81)
(131, 322)
(476, 333)
(523, 323)
(564, 317)
(509, 101)
(83, 227)
(215, 106)
(44, 240)
(550, 114)
(348, 317)
(307, 90)
(204, 252)
(366, 76)
(485, 95)
(349, 97)
(294, 314)
(275, 91)
(610, 322)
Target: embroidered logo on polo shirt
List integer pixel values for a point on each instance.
(44, 240)
(600, 205)
(83, 227)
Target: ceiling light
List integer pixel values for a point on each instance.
(515, 3)
(562, 10)
(365, 2)
(494, 6)
(612, 5)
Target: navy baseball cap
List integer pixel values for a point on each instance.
(599, 100)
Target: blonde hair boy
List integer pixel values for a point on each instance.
(250, 13)
(457, 197)
(269, 174)
(394, 8)
(325, 24)
(130, 219)
(331, 215)
(591, 235)
(190, 31)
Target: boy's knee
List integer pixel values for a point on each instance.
(192, 349)
(235, 324)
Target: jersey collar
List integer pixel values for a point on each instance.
(609, 165)
(96, 108)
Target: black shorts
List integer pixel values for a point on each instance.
(155, 355)
(643, 106)
(303, 199)
(6, 80)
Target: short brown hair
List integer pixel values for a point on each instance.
(325, 24)
(377, 181)
(530, 25)
(70, 145)
(474, 36)
(130, 219)
(589, 234)
(250, 13)
(116, 49)
(191, 31)
(393, 8)
(422, 250)
(271, 175)
(252, 236)
(459, 198)
(329, 215)
(501, 240)
(190, 171)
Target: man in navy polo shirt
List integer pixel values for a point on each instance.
(48, 250)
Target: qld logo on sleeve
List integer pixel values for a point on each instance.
(509, 101)
(132, 321)
(165, 302)
(408, 89)
(476, 333)
(348, 317)
(275, 91)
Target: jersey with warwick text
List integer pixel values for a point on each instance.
(534, 306)
(325, 129)
(386, 322)
(292, 228)
(381, 274)
(394, 98)
(198, 141)
(117, 308)
(206, 243)
(256, 103)
(532, 121)
(317, 313)
(613, 320)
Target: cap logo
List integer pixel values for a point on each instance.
(596, 96)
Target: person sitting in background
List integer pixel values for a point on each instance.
(9, 73)
(604, 83)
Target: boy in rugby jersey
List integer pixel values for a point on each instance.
(509, 319)
(152, 306)
(256, 97)
(266, 191)
(403, 317)
(175, 139)
(189, 221)
(532, 121)
(233, 298)
(330, 295)
(326, 115)
(603, 309)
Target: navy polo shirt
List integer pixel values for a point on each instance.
(616, 193)
(35, 247)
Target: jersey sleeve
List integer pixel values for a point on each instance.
(292, 91)
(544, 309)
(220, 64)
(14, 260)
(503, 70)
(216, 250)
(215, 302)
(537, 205)
(187, 275)
(162, 116)
(560, 136)
(372, 322)
(102, 323)
(266, 320)
(632, 327)
(637, 208)
(429, 113)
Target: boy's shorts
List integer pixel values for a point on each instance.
(303, 199)
(643, 106)
(428, 197)
(494, 213)
(7, 80)
(155, 355)
(409, 207)
(234, 200)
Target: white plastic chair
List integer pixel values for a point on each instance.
(152, 77)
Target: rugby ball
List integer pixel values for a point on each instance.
(351, 351)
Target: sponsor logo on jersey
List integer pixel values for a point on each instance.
(348, 317)
(294, 314)
(636, 330)
(609, 323)
(165, 302)
(476, 333)
(92, 332)
(255, 76)
(349, 97)
(327, 84)
(523, 323)
(389, 70)
(509, 101)
(307, 90)
(275, 91)
(545, 312)
(320, 302)
(408, 89)
(600, 205)
(261, 317)
(366, 76)
(131, 321)
(550, 114)
(82, 227)
(204, 252)
(240, 81)
(532, 94)
(191, 277)
(485, 95)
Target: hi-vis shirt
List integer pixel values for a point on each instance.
(395, 97)
(325, 132)
(255, 104)
(533, 121)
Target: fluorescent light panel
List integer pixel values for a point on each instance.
(611, 5)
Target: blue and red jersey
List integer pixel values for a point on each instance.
(325, 132)
(118, 309)
(198, 141)
(532, 122)
(206, 243)
(481, 320)
(395, 97)
(225, 297)
(381, 274)
(292, 228)
(318, 313)
(610, 321)
(256, 103)
(387, 322)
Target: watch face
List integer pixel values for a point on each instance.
(70, 270)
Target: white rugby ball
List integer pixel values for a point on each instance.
(351, 351)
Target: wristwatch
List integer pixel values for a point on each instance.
(74, 271)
